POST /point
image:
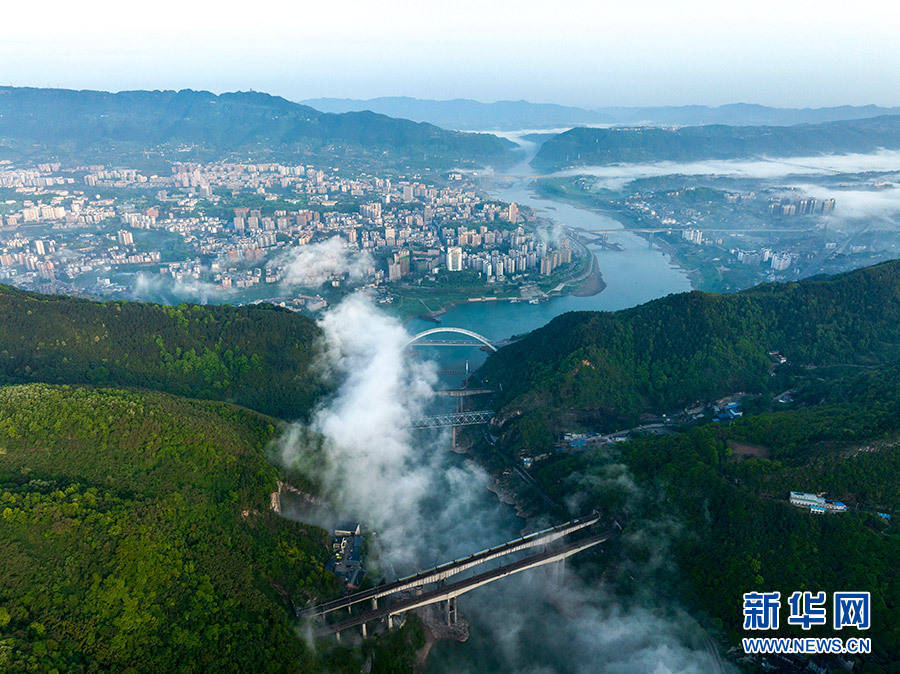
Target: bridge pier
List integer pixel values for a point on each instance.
(337, 635)
(390, 622)
(364, 635)
(374, 603)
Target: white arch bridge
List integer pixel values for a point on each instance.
(420, 339)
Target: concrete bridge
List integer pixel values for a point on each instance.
(463, 392)
(409, 592)
(448, 594)
(444, 571)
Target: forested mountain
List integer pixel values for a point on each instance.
(743, 114)
(608, 368)
(124, 543)
(463, 113)
(137, 535)
(589, 146)
(704, 505)
(67, 122)
(714, 500)
(258, 356)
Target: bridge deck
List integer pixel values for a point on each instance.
(448, 569)
(463, 392)
(462, 586)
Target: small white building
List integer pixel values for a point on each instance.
(805, 500)
(816, 504)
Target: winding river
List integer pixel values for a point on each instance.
(636, 274)
(530, 633)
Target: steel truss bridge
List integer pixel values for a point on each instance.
(411, 593)
(453, 419)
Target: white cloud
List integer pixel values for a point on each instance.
(616, 176)
(849, 203)
(313, 264)
(165, 289)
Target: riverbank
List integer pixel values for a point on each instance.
(593, 283)
(584, 280)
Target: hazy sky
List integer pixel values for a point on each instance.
(592, 53)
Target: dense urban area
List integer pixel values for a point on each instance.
(247, 232)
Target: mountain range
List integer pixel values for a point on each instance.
(467, 114)
(38, 122)
(584, 146)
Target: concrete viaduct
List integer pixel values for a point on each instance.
(449, 593)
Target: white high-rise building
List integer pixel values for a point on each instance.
(454, 258)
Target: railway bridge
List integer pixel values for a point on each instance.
(410, 592)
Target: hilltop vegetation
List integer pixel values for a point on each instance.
(605, 369)
(136, 532)
(589, 146)
(258, 356)
(705, 508)
(726, 519)
(135, 525)
(62, 122)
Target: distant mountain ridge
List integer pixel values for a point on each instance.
(585, 146)
(745, 114)
(467, 114)
(69, 120)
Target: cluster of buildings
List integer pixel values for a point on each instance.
(229, 224)
(723, 221)
(776, 261)
(818, 505)
(787, 206)
(348, 557)
(727, 412)
(521, 254)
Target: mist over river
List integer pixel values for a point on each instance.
(532, 623)
(429, 505)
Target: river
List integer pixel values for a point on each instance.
(518, 624)
(636, 274)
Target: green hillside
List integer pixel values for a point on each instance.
(704, 505)
(136, 532)
(589, 146)
(258, 356)
(605, 369)
(73, 123)
(722, 519)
